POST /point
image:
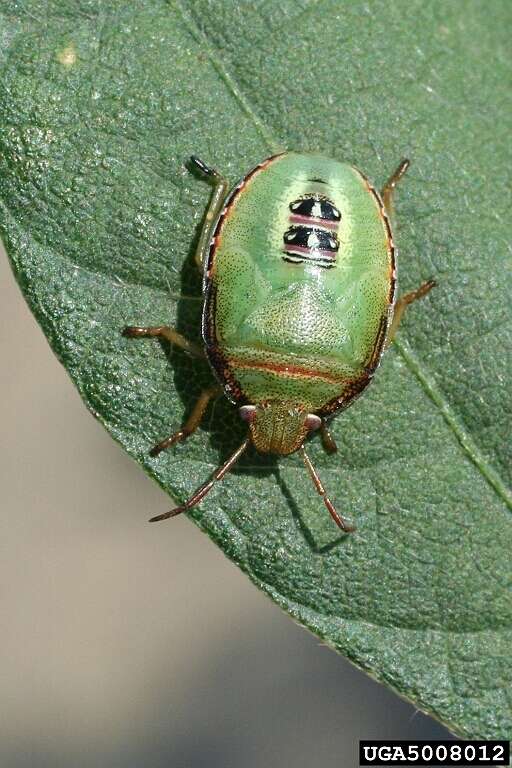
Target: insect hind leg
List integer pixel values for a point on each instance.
(402, 304)
(220, 188)
(388, 189)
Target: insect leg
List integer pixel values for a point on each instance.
(338, 519)
(220, 188)
(165, 332)
(206, 487)
(191, 423)
(389, 187)
(328, 441)
(403, 302)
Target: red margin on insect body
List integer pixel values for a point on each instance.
(358, 385)
(218, 361)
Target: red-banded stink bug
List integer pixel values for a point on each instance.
(299, 301)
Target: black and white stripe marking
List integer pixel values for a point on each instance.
(312, 236)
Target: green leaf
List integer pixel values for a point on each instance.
(101, 104)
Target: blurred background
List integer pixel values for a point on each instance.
(127, 644)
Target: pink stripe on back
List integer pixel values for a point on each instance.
(297, 219)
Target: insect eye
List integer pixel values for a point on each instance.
(313, 421)
(247, 412)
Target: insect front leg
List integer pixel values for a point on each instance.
(191, 423)
(403, 302)
(220, 188)
(328, 441)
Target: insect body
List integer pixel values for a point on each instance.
(299, 301)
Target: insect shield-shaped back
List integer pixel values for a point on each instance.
(299, 276)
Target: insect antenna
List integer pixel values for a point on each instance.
(338, 519)
(206, 487)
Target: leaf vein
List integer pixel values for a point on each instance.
(214, 55)
(465, 441)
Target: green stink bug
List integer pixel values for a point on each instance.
(299, 276)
